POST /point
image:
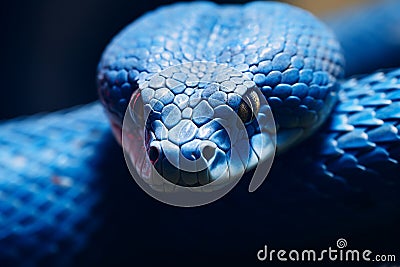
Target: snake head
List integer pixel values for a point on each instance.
(201, 122)
(183, 113)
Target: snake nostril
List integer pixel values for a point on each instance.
(208, 152)
(154, 153)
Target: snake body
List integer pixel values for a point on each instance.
(353, 158)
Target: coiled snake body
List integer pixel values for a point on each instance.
(54, 183)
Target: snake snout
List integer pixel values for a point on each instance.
(201, 122)
(195, 163)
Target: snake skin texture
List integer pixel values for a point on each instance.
(291, 56)
(363, 134)
(358, 148)
(49, 172)
(66, 197)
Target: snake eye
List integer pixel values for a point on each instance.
(249, 107)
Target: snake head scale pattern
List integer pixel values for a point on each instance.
(186, 65)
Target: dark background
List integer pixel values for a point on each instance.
(50, 49)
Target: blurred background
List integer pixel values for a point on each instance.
(50, 49)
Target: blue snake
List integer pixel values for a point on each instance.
(60, 193)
